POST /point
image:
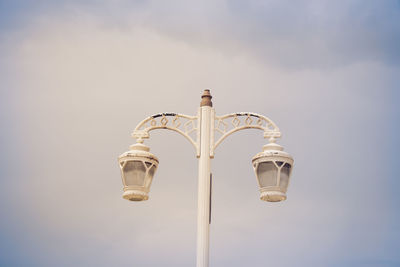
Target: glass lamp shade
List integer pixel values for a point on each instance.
(273, 167)
(138, 166)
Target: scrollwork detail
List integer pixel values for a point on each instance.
(230, 123)
(183, 124)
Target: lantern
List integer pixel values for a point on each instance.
(273, 167)
(138, 166)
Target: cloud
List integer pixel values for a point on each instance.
(289, 34)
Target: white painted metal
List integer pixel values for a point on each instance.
(251, 121)
(274, 153)
(183, 124)
(212, 133)
(138, 153)
(204, 127)
(203, 197)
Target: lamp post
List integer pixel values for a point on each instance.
(205, 132)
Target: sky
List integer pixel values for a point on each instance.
(77, 76)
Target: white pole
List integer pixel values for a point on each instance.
(203, 198)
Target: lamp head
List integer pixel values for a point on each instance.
(273, 167)
(138, 166)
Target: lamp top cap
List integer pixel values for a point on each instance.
(138, 151)
(273, 152)
(206, 98)
(272, 146)
(139, 146)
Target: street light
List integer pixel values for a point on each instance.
(205, 132)
(273, 167)
(138, 166)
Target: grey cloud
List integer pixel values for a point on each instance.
(290, 34)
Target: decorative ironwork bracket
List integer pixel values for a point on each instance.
(189, 127)
(183, 124)
(228, 124)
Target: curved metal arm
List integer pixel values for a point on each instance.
(249, 121)
(170, 121)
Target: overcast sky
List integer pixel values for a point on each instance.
(77, 76)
